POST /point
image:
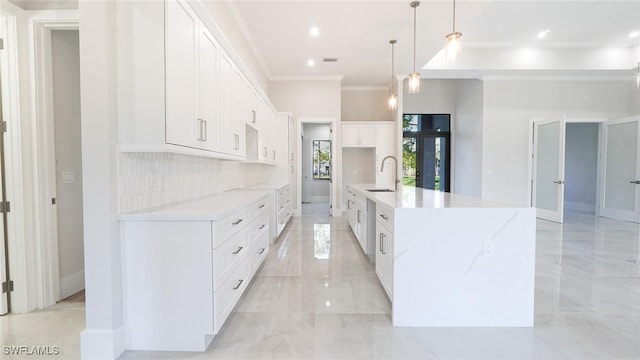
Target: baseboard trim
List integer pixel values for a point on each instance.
(102, 344)
(71, 284)
(580, 206)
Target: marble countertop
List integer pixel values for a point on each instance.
(409, 197)
(209, 208)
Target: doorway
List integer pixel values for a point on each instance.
(65, 61)
(316, 169)
(426, 149)
(565, 165)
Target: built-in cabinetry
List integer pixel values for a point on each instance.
(185, 267)
(360, 212)
(284, 207)
(357, 134)
(384, 247)
(185, 92)
(380, 135)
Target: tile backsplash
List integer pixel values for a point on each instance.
(150, 180)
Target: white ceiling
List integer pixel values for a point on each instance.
(586, 39)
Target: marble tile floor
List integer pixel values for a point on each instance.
(317, 297)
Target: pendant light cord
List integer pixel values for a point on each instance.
(454, 16)
(414, 38)
(393, 45)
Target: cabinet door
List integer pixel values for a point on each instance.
(388, 248)
(182, 27)
(207, 81)
(238, 113)
(367, 135)
(263, 131)
(350, 135)
(381, 259)
(225, 108)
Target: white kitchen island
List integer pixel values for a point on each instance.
(454, 261)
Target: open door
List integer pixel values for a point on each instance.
(621, 181)
(548, 168)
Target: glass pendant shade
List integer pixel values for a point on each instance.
(453, 47)
(414, 82)
(392, 102)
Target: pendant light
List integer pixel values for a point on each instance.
(453, 47)
(414, 77)
(392, 101)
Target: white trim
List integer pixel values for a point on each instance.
(71, 284)
(336, 159)
(102, 344)
(364, 88)
(591, 208)
(43, 151)
(306, 78)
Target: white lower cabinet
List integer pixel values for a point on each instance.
(384, 248)
(284, 207)
(183, 276)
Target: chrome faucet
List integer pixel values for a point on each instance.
(396, 168)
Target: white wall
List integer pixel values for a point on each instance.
(313, 190)
(509, 107)
(435, 97)
(466, 139)
(68, 151)
(313, 99)
(358, 167)
(581, 166)
(365, 104)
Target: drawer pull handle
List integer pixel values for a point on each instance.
(238, 286)
(261, 251)
(262, 206)
(237, 222)
(237, 251)
(384, 216)
(261, 227)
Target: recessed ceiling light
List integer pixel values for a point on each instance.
(311, 63)
(542, 34)
(314, 31)
(634, 34)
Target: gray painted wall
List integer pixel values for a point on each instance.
(66, 103)
(467, 138)
(581, 166)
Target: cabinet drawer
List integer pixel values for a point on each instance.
(227, 255)
(259, 251)
(258, 207)
(259, 226)
(384, 214)
(223, 229)
(227, 296)
(283, 214)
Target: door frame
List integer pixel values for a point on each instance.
(567, 119)
(45, 224)
(335, 180)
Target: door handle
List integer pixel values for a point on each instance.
(637, 182)
(559, 182)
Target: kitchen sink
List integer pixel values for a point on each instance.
(380, 190)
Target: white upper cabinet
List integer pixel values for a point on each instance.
(208, 132)
(358, 135)
(182, 91)
(182, 27)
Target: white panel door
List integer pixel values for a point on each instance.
(548, 168)
(207, 88)
(621, 180)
